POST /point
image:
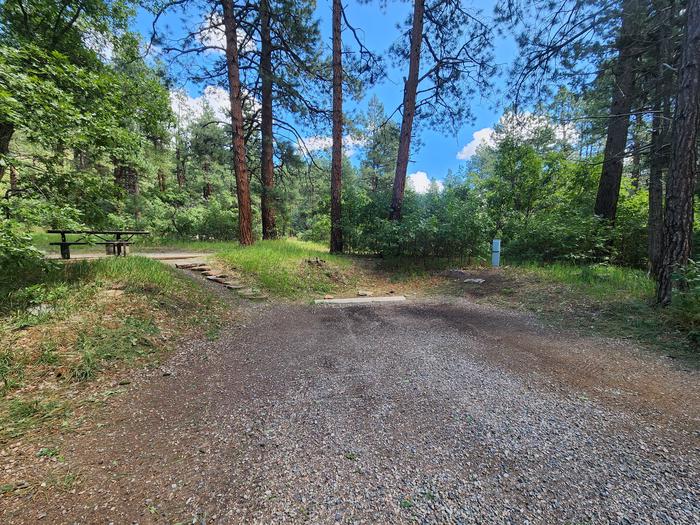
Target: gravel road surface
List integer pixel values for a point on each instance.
(422, 412)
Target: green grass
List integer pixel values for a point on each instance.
(609, 300)
(22, 415)
(95, 315)
(65, 284)
(597, 281)
(289, 268)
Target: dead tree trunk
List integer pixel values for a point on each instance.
(678, 218)
(618, 123)
(337, 150)
(409, 110)
(267, 167)
(240, 168)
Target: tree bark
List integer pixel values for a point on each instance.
(267, 167)
(14, 184)
(337, 150)
(206, 190)
(636, 150)
(179, 166)
(6, 131)
(659, 156)
(126, 177)
(657, 164)
(240, 168)
(678, 219)
(409, 110)
(618, 123)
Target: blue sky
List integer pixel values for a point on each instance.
(378, 27)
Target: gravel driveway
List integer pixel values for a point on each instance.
(432, 412)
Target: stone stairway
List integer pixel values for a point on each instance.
(226, 280)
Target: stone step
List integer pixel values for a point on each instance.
(362, 300)
(216, 279)
(187, 266)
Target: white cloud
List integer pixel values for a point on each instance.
(212, 34)
(482, 136)
(324, 142)
(522, 126)
(420, 182)
(100, 43)
(188, 109)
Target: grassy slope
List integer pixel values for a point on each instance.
(289, 268)
(82, 322)
(608, 300)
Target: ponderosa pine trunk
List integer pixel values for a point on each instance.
(180, 166)
(636, 150)
(678, 215)
(657, 164)
(267, 167)
(618, 122)
(240, 167)
(409, 110)
(660, 126)
(337, 149)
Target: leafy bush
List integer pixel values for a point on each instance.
(684, 311)
(18, 257)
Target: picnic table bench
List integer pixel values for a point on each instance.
(115, 241)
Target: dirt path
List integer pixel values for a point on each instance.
(429, 412)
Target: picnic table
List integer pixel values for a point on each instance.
(115, 241)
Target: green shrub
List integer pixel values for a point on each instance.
(684, 311)
(18, 257)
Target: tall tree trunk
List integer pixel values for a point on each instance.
(337, 150)
(240, 168)
(14, 183)
(6, 131)
(267, 167)
(678, 219)
(179, 166)
(657, 163)
(636, 150)
(206, 190)
(409, 110)
(618, 122)
(126, 177)
(659, 154)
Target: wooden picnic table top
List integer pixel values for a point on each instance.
(103, 232)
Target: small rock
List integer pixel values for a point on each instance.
(364, 293)
(40, 309)
(327, 296)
